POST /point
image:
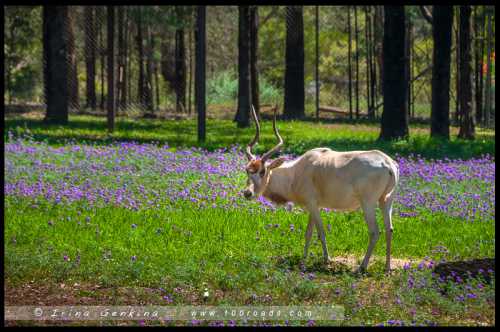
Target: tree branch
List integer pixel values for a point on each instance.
(426, 14)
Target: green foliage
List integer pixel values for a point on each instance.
(23, 53)
(223, 89)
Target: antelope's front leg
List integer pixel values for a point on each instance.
(309, 232)
(315, 215)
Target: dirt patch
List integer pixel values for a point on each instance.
(79, 294)
(353, 262)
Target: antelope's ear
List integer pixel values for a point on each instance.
(276, 163)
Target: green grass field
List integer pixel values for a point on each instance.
(127, 235)
(298, 136)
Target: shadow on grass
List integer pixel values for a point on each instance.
(484, 267)
(316, 265)
(222, 134)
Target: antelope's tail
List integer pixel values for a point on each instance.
(393, 181)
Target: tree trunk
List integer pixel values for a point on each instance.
(90, 56)
(479, 54)
(190, 84)
(316, 12)
(73, 67)
(488, 95)
(9, 60)
(394, 123)
(466, 119)
(130, 48)
(378, 37)
(294, 69)
(442, 35)
(367, 57)
(121, 57)
(373, 68)
(244, 85)
(157, 85)
(56, 69)
(111, 68)
(457, 72)
(102, 53)
(124, 79)
(408, 38)
(140, 51)
(154, 74)
(412, 74)
(200, 40)
(148, 86)
(254, 46)
(356, 57)
(349, 57)
(180, 71)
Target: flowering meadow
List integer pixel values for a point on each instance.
(174, 220)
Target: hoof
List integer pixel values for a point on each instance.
(328, 260)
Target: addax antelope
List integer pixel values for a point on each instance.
(323, 178)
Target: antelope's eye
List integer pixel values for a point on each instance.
(262, 172)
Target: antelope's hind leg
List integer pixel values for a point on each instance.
(373, 232)
(386, 208)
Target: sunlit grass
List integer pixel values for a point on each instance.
(298, 136)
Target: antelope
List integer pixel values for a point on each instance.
(323, 178)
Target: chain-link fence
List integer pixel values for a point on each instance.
(154, 59)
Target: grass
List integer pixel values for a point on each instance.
(108, 253)
(298, 136)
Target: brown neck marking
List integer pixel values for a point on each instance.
(275, 197)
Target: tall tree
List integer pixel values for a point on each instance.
(441, 58)
(394, 122)
(102, 51)
(488, 93)
(244, 85)
(130, 49)
(191, 56)
(349, 57)
(466, 119)
(200, 41)
(148, 84)
(373, 67)
(368, 61)
(125, 72)
(408, 43)
(457, 70)
(316, 75)
(356, 57)
(378, 35)
(140, 51)
(56, 69)
(479, 60)
(156, 75)
(294, 59)
(180, 70)
(254, 47)
(121, 57)
(73, 63)
(90, 55)
(111, 68)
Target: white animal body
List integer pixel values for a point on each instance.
(323, 178)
